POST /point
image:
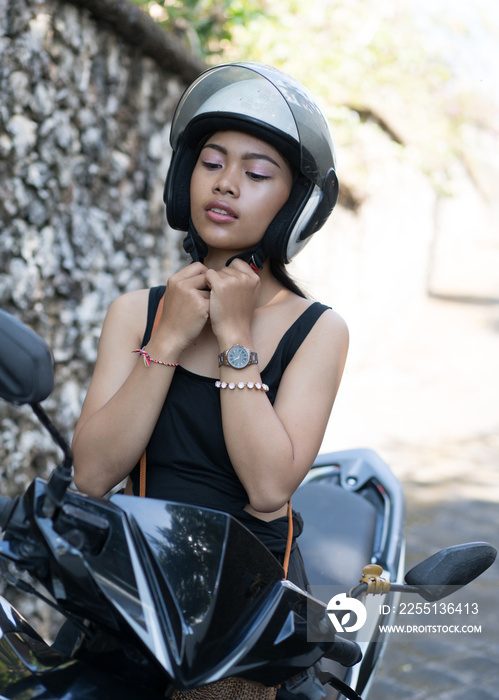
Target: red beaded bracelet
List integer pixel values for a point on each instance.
(148, 359)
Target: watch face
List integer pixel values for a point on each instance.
(238, 356)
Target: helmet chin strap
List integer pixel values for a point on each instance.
(195, 247)
(194, 244)
(255, 257)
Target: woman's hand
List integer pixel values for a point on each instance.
(186, 306)
(234, 292)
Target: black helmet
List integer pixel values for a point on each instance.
(266, 103)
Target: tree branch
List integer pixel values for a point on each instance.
(369, 114)
(348, 198)
(136, 27)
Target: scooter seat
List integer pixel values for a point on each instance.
(338, 535)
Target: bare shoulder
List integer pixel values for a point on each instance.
(121, 333)
(128, 312)
(310, 382)
(329, 323)
(328, 339)
(131, 302)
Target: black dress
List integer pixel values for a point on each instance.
(187, 460)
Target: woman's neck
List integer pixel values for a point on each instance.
(217, 259)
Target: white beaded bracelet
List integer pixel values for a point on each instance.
(241, 385)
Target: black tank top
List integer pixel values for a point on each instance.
(187, 460)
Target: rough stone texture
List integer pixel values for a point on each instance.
(84, 126)
(139, 30)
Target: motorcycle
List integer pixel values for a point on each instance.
(162, 596)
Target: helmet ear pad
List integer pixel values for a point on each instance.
(177, 192)
(277, 236)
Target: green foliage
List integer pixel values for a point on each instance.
(205, 26)
(388, 71)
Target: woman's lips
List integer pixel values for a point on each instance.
(220, 213)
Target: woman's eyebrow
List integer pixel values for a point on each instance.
(246, 156)
(260, 156)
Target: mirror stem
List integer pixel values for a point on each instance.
(60, 479)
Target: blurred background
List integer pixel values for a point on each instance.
(410, 256)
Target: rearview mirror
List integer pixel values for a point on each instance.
(26, 366)
(451, 569)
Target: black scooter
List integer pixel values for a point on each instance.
(162, 596)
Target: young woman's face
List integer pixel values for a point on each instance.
(238, 185)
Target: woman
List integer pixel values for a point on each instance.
(231, 395)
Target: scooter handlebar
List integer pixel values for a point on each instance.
(345, 651)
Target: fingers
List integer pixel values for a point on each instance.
(191, 277)
(187, 304)
(233, 299)
(237, 272)
(195, 272)
(195, 268)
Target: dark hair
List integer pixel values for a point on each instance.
(278, 270)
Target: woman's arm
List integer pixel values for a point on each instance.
(273, 446)
(125, 396)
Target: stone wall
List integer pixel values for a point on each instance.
(84, 126)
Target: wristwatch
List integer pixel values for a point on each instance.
(237, 357)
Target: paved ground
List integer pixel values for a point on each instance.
(431, 409)
(450, 667)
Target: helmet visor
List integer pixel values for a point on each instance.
(261, 95)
